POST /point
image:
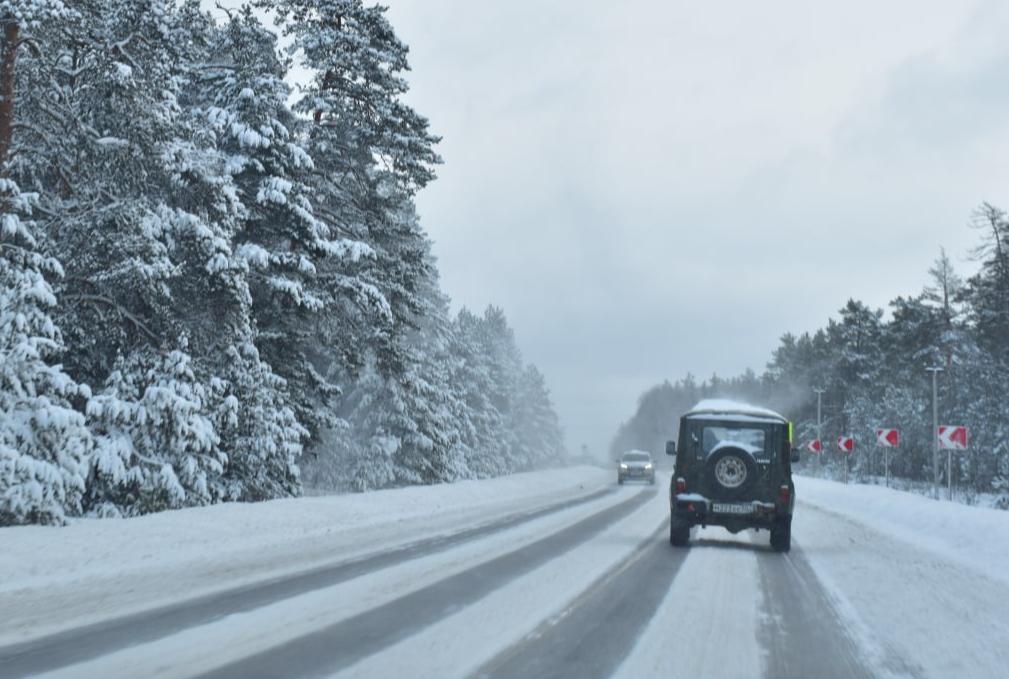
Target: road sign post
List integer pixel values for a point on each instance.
(887, 439)
(935, 370)
(813, 448)
(819, 398)
(951, 438)
(845, 444)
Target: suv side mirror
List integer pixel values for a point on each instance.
(795, 455)
(670, 447)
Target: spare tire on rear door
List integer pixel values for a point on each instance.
(731, 470)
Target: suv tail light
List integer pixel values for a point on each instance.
(681, 485)
(783, 495)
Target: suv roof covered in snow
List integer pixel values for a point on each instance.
(733, 408)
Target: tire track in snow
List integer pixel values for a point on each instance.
(343, 644)
(801, 631)
(705, 624)
(591, 637)
(85, 643)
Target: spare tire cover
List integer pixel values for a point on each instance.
(731, 470)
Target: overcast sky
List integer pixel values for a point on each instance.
(655, 187)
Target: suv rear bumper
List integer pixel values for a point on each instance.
(694, 510)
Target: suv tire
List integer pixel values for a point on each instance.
(781, 536)
(732, 470)
(679, 534)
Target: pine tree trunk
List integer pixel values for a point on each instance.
(8, 56)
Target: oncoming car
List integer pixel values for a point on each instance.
(733, 469)
(636, 464)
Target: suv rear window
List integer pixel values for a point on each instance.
(752, 439)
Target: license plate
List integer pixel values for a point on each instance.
(725, 508)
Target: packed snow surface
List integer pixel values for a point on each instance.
(919, 585)
(52, 576)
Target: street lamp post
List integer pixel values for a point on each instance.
(949, 474)
(819, 392)
(935, 370)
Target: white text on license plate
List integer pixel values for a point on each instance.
(723, 508)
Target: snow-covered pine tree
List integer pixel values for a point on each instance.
(242, 94)
(983, 388)
(130, 172)
(791, 376)
(422, 404)
(946, 295)
(856, 340)
(854, 379)
(504, 362)
(103, 111)
(259, 430)
(447, 417)
(157, 446)
(354, 97)
(371, 153)
(100, 106)
(399, 432)
(268, 272)
(488, 372)
(143, 206)
(404, 428)
(911, 340)
(485, 438)
(988, 290)
(43, 441)
(538, 429)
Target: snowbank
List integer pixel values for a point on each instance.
(147, 561)
(45, 554)
(972, 536)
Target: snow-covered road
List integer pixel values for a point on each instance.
(551, 574)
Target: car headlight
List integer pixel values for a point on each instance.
(648, 467)
(623, 466)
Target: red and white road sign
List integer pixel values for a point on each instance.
(813, 447)
(953, 438)
(886, 438)
(845, 444)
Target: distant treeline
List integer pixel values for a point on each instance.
(209, 294)
(873, 373)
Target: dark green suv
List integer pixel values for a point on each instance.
(733, 469)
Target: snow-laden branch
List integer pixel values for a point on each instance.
(101, 299)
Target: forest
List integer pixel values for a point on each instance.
(870, 368)
(214, 286)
